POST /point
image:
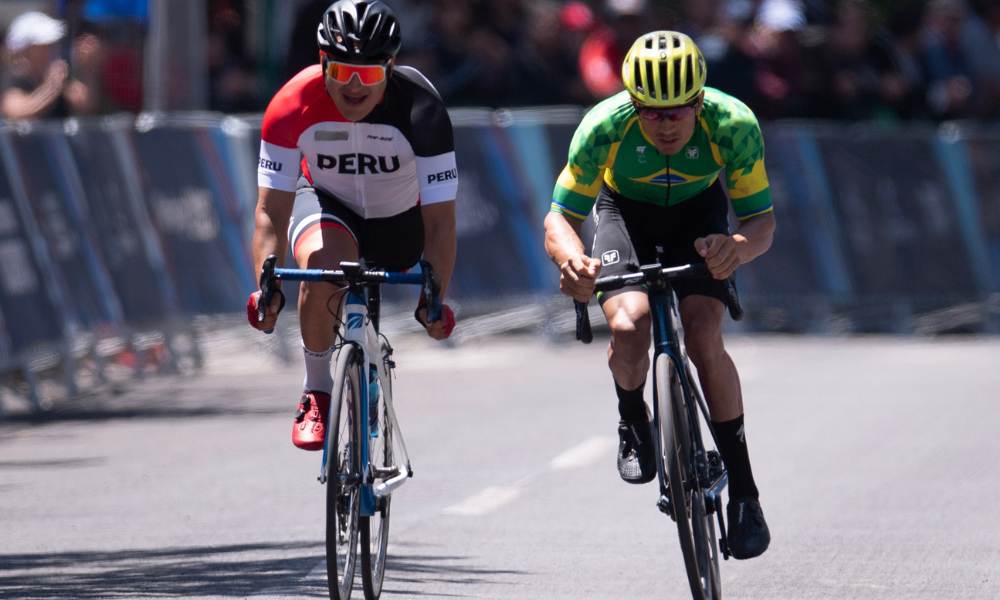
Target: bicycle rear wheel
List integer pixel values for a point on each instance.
(343, 492)
(694, 529)
(375, 529)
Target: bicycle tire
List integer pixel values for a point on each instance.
(375, 529)
(686, 498)
(343, 500)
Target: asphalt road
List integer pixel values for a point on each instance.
(878, 461)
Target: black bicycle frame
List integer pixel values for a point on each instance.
(666, 341)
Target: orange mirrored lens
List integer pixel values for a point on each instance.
(342, 72)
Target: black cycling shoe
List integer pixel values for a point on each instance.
(748, 533)
(636, 452)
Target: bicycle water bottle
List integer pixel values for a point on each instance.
(373, 393)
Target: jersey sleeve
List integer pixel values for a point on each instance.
(433, 143)
(741, 148)
(580, 181)
(278, 167)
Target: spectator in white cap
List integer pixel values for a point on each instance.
(36, 84)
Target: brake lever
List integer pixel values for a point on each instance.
(267, 278)
(583, 330)
(431, 289)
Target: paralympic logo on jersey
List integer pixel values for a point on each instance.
(670, 178)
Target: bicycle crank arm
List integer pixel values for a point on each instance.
(715, 491)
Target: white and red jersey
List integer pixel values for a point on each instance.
(400, 155)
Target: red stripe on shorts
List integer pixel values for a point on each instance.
(318, 227)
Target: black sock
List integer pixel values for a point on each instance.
(631, 406)
(731, 438)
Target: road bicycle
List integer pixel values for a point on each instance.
(691, 477)
(364, 457)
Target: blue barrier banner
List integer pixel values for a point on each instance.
(794, 265)
(899, 227)
(982, 167)
(57, 206)
(499, 234)
(106, 192)
(192, 203)
(28, 313)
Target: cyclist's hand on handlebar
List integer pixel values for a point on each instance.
(440, 329)
(577, 277)
(720, 253)
(270, 315)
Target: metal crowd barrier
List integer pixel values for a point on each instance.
(115, 232)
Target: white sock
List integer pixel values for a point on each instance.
(318, 376)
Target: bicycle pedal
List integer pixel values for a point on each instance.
(666, 507)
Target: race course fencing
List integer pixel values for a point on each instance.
(115, 232)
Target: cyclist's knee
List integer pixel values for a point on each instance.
(630, 327)
(702, 321)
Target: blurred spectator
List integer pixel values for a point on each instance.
(951, 74)
(120, 25)
(721, 42)
(982, 46)
(36, 83)
(303, 51)
(232, 82)
(771, 42)
(604, 49)
(557, 34)
(845, 84)
(902, 88)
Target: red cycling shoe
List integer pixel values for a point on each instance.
(309, 429)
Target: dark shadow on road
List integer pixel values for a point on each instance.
(236, 571)
(154, 411)
(228, 571)
(51, 464)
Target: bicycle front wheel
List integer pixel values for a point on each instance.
(343, 491)
(375, 529)
(694, 528)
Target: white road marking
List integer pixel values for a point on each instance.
(485, 501)
(585, 453)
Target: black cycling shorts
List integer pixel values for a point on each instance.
(628, 232)
(393, 243)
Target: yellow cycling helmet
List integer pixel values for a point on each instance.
(664, 68)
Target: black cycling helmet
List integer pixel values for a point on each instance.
(359, 31)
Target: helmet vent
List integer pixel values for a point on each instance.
(649, 78)
(690, 75)
(638, 78)
(649, 43)
(677, 77)
(663, 80)
(677, 42)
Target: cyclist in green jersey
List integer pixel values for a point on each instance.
(649, 162)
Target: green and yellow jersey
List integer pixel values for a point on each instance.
(610, 147)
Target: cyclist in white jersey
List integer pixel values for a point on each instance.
(357, 160)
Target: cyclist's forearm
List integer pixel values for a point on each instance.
(440, 240)
(562, 238)
(274, 209)
(754, 236)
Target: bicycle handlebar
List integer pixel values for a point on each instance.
(353, 274)
(657, 274)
